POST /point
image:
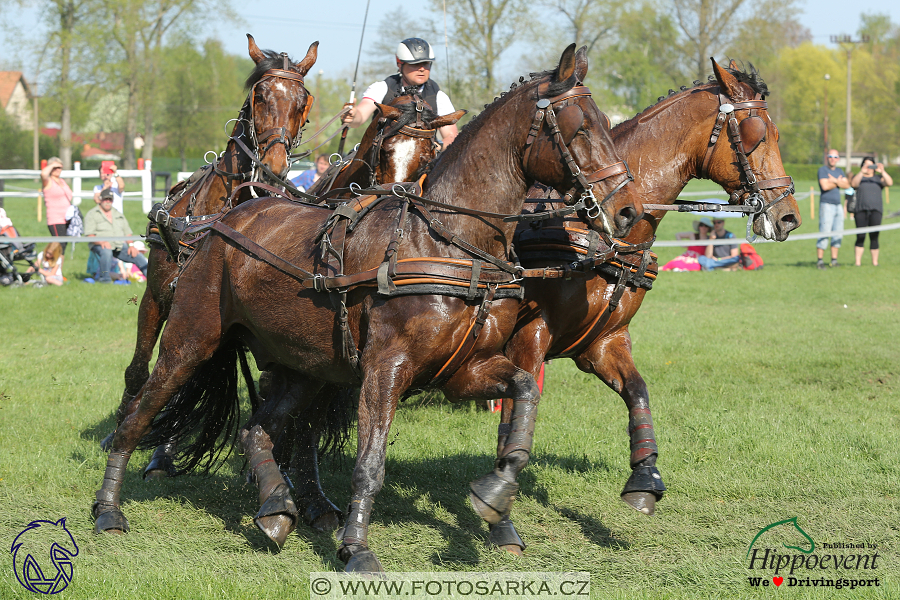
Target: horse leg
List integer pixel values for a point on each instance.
(610, 359)
(492, 495)
(317, 510)
(177, 362)
(378, 399)
(151, 316)
(288, 394)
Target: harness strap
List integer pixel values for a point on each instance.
(465, 348)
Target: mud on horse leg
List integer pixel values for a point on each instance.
(492, 495)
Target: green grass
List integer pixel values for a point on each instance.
(774, 394)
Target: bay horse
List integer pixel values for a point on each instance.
(268, 126)
(397, 145)
(435, 307)
(678, 139)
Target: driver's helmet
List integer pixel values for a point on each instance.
(413, 51)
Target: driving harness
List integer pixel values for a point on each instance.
(483, 278)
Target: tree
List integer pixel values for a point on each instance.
(481, 31)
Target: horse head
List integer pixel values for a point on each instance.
(277, 107)
(568, 147)
(752, 172)
(406, 130)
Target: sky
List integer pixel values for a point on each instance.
(337, 25)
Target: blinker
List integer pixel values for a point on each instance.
(753, 132)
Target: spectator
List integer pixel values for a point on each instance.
(57, 197)
(831, 211)
(689, 261)
(720, 257)
(106, 221)
(112, 181)
(869, 182)
(50, 263)
(306, 179)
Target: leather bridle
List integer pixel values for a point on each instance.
(544, 112)
(278, 135)
(745, 137)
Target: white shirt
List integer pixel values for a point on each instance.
(378, 90)
(118, 203)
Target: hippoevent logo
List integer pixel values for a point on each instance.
(838, 564)
(42, 556)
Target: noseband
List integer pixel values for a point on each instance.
(742, 136)
(585, 182)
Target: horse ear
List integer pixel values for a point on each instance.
(311, 55)
(566, 68)
(445, 120)
(727, 82)
(389, 112)
(581, 64)
(255, 53)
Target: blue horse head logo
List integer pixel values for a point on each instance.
(42, 556)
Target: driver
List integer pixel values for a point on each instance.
(414, 58)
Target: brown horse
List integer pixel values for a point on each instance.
(397, 145)
(268, 125)
(438, 312)
(667, 144)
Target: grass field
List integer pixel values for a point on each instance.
(775, 394)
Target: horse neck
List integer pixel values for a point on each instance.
(483, 172)
(668, 138)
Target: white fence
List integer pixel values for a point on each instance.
(145, 195)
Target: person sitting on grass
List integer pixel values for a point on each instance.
(50, 263)
(105, 221)
(720, 257)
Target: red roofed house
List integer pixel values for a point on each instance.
(15, 98)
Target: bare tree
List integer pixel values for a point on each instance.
(708, 26)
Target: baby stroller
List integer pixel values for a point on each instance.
(11, 252)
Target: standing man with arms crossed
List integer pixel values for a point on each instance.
(414, 58)
(831, 207)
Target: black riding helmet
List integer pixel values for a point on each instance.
(413, 51)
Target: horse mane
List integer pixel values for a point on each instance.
(272, 60)
(751, 77)
(470, 129)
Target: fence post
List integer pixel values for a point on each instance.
(147, 186)
(812, 202)
(76, 184)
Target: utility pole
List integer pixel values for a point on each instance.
(825, 107)
(848, 43)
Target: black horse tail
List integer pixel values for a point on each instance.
(203, 417)
(340, 416)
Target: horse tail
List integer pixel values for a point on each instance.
(340, 417)
(203, 417)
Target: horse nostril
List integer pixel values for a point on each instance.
(789, 222)
(626, 217)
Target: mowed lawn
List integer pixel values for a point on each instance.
(775, 394)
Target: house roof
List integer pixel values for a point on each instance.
(8, 81)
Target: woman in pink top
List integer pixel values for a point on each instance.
(57, 197)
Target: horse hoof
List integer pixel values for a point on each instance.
(484, 511)
(106, 443)
(155, 473)
(276, 527)
(111, 521)
(364, 561)
(643, 502)
(326, 523)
